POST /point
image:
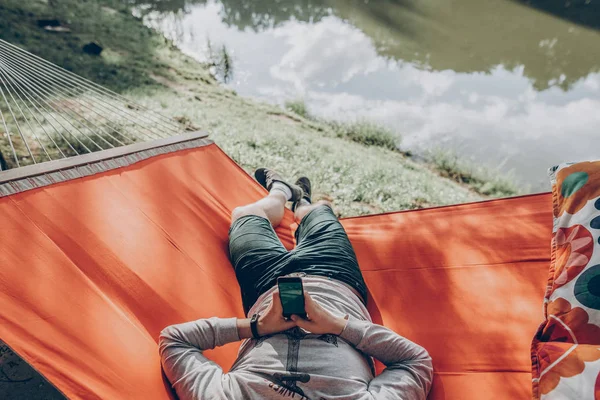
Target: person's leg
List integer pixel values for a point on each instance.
(255, 251)
(271, 207)
(305, 207)
(323, 247)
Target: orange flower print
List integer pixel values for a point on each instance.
(570, 365)
(576, 185)
(568, 325)
(574, 247)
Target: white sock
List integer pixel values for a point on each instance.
(282, 187)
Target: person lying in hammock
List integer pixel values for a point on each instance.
(325, 350)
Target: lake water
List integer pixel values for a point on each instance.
(511, 85)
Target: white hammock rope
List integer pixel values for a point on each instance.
(67, 76)
(48, 113)
(55, 80)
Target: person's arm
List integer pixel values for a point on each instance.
(192, 375)
(409, 371)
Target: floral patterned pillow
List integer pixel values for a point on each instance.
(565, 352)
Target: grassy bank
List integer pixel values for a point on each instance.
(445, 162)
(355, 165)
(128, 58)
(361, 131)
(477, 177)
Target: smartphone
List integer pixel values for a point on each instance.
(291, 293)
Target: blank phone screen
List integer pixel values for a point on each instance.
(292, 298)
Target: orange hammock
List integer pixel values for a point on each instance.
(92, 269)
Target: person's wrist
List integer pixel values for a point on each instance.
(244, 330)
(338, 326)
(260, 327)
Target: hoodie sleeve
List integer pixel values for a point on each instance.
(192, 375)
(409, 370)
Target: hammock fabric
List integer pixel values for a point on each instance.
(92, 269)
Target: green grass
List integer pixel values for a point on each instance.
(298, 107)
(83, 144)
(362, 131)
(481, 179)
(128, 58)
(367, 133)
(71, 144)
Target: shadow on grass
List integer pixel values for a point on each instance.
(128, 47)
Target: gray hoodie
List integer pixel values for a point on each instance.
(296, 364)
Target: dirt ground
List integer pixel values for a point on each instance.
(19, 381)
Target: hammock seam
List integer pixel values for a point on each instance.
(81, 171)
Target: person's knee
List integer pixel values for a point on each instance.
(242, 211)
(301, 212)
(318, 204)
(238, 212)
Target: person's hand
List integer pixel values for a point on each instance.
(318, 320)
(272, 320)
